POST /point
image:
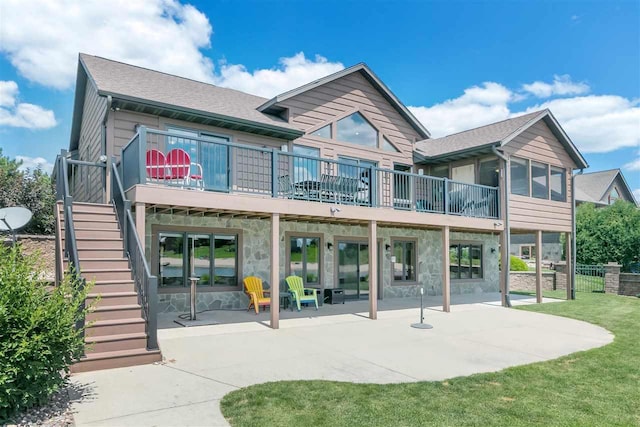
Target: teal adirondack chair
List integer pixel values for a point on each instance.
(299, 293)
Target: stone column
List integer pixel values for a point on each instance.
(561, 274)
(612, 278)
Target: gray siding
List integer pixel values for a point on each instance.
(88, 182)
(340, 97)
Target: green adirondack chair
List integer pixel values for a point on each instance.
(299, 293)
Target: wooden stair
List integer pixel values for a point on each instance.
(115, 336)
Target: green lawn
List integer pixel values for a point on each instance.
(599, 387)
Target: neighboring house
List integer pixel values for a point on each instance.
(603, 188)
(332, 181)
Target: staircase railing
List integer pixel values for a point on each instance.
(70, 244)
(146, 284)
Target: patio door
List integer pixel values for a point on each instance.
(353, 269)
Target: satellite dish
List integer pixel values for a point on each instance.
(14, 218)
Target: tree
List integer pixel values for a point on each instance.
(608, 234)
(32, 189)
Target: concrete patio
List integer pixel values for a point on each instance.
(204, 363)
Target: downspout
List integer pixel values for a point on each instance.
(103, 151)
(507, 230)
(574, 256)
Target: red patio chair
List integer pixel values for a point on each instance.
(179, 165)
(156, 164)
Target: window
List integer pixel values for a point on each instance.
(324, 132)
(519, 176)
(404, 266)
(210, 257)
(558, 184)
(613, 196)
(357, 130)
(527, 251)
(441, 171)
(489, 173)
(305, 169)
(388, 146)
(355, 168)
(304, 258)
(465, 261)
(213, 158)
(464, 173)
(539, 180)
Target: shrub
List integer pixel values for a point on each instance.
(516, 264)
(38, 340)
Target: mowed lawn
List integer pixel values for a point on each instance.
(599, 387)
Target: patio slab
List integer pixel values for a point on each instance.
(204, 363)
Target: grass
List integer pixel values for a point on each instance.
(592, 388)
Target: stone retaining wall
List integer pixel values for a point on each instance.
(629, 284)
(526, 281)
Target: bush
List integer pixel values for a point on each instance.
(516, 264)
(38, 340)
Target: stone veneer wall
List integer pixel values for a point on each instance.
(526, 281)
(255, 252)
(629, 284)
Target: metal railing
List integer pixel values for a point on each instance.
(154, 157)
(65, 171)
(589, 278)
(146, 284)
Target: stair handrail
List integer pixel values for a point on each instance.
(70, 243)
(146, 283)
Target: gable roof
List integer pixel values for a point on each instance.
(162, 91)
(593, 187)
(494, 135)
(366, 72)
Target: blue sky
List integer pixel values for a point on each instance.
(456, 64)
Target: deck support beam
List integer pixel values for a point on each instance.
(446, 273)
(140, 223)
(373, 270)
(275, 271)
(569, 259)
(539, 266)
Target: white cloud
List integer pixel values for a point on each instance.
(595, 123)
(636, 194)
(33, 163)
(561, 86)
(42, 39)
(20, 114)
(598, 123)
(633, 165)
(478, 106)
(291, 73)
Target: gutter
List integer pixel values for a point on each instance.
(573, 234)
(507, 231)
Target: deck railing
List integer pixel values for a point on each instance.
(218, 165)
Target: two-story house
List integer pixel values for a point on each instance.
(170, 181)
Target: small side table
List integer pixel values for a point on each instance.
(334, 296)
(285, 299)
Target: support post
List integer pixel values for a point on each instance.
(373, 270)
(140, 223)
(539, 266)
(275, 271)
(569, 265)
(446, 273)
